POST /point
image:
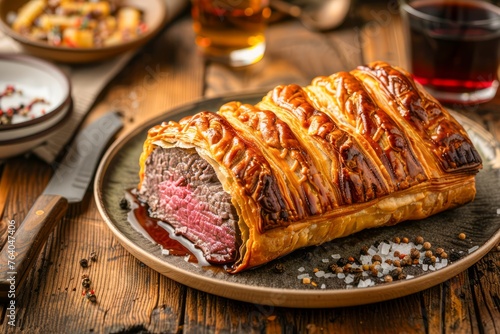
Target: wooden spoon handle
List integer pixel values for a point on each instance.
(23, 246)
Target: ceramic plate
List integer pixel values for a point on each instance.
(154, 17)
(479, 220)
(32, 79)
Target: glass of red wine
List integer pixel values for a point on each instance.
(453, 48)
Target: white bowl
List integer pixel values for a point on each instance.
(18, 146)
(35, 78)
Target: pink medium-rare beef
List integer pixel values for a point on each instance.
(182, 189)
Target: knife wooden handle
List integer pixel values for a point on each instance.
(23, 246)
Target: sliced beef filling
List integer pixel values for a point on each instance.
(182, 189)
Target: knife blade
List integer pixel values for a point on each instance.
(68, 184)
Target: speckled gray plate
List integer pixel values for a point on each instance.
(479, 220)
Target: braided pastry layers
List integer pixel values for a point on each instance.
(306, 165)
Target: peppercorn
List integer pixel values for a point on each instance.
(347, 267)
(364, 250)
(433, 259)
(366, 267)
(388, 278)
(428, 254)
(341, 262)
(397, 253)
(333, 268)
(427, 245)
(124, 204)
(462, 236)
(427, 261)
(396, 240)
(414, 254)
(84, 263)
(444, 255)
(376, 257)
(308, 256)
(90, 295)
(395, 272)
(405, 240)
(388, 261)
(93, 256)
(86, 282)
(419, 240)
(439, 251)
(396, 263)
(279, 268)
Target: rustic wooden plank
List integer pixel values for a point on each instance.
(20, 184)
(457, 301)
(485, 283)
(432, 307)
(210, 314)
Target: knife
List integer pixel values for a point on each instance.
(68, 185)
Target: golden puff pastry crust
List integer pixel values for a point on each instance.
(351, 151)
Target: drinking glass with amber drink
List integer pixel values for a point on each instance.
(231, 31)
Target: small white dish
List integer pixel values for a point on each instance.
(14, 147)
(32, 79)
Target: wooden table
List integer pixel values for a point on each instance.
(132, 298)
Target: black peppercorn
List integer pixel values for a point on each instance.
(90, 295)
(86, 283)
(124, 204)
(84, 263)
(342, 262)
(93, 256)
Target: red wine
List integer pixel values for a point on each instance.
(455, 44)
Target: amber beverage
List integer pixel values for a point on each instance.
(231, 31)
(454, 48)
